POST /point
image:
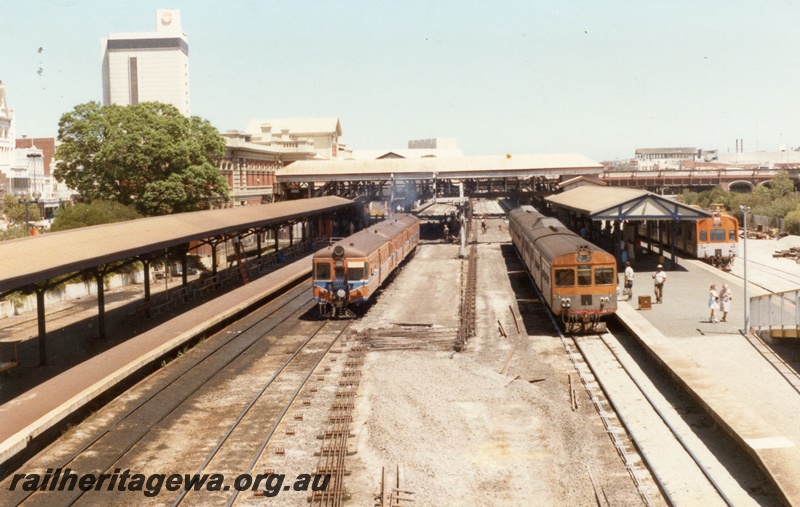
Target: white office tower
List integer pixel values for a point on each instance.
(143, 67)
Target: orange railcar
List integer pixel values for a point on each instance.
(577, 279)
(350, 271)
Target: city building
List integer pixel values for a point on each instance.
(320, 135)
(252, 157)
(40, 154)
(6, 135)
(148, 66)
(436, 143)
(762, 159)
(654, 159)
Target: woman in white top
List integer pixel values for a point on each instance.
(713, 303)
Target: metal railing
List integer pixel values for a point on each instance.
(776, 315)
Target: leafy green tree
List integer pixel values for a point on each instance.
(147, 155)
(781, 185)
(93, 213)
(791, 223)
(15, 211)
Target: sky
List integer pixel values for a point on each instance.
(520, 77)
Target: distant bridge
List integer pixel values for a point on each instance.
(733, 179)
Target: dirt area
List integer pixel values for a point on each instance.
(461, 432)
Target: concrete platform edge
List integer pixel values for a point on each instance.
(768, 460)
(17, 442)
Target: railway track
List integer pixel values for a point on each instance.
(661, 447)
(167, 398)
(267, 408)
(679, 463)
(787, 371)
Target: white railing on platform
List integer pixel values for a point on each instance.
(776, 314)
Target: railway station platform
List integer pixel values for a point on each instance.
(50, 403)
(718, 366)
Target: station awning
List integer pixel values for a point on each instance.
(37, 258)
(429, 168)
(610, 203)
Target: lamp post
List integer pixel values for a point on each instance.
(745, 211)
(22, 197)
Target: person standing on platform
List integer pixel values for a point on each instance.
(659, 278)
(725, 296)
(713, 303)
(631, 252)
(628, 289)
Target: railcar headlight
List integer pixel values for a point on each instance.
(340, 293)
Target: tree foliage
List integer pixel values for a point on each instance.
(774, 199)
(93, 213)
(15, 211)
(147, 155)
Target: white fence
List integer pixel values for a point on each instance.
(776, 315)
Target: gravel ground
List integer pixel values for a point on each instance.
(461, 432)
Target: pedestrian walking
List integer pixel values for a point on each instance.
(713, 303)
(629, 274)
(725, 296)
(659, 278)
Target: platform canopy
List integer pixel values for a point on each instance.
(429, 168)
(37, 258)
(612, 203)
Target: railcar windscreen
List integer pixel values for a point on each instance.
(717, 235)
(565, 278)
(732, 235)
(354, 273)
(323, 271)
(584, 275)
(604, 276)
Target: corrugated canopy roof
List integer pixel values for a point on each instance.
(494, 166)
(612, 203)
(37, 258)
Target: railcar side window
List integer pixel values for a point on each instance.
(732, 235)
(717, 235)
(323, 271)
(565, 277)
(703, 236)
(604, 276)
(584, 275)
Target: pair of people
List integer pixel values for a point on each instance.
(659, 279)
(719, 301)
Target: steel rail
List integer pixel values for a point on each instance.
(774, 360)
(285, 408)
(304, 293)
(661, 415)
(612, 431)
(247, 408)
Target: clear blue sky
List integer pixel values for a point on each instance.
(527, 76)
